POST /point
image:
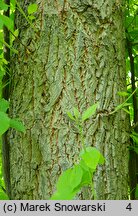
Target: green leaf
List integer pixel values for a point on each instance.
(3, 196)
(1, 27)
(76, 175)
(4, 105)
(3, 6)
(68, 184)
(62, 196)
(89, 112)
(135, 133)
(86, 179)
(76, 112)
(31, 17)
(134, 137)
(136, 191)
(87, 174)
(69, 179)
(83, 165)
(7, 21)
(16, 124)
(1, 36)
(91, 157)
(32, 8)
(70, 116)
(14, 36)
(16, 32)
(4, 122)
(63, 182)
(127, 104)
(120, 106)
(124, 94)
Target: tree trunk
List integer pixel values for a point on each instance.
(75, 59)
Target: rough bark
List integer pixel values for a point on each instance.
(77, 58)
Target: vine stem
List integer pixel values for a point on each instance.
(121, 105)
(22, 12)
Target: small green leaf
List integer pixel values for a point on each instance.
(16, 124)
(124, 94)
(70, 116)
(89, 112)
(3, 6)
(31, 17)
(32, 8)
(120, 106)
(16, 32)
(76, 112)
(134, 137)
(91, 157)
(5, 61)
(4, 105)
(127, 104)
(15, 35)
(7, 22)
(4, 122)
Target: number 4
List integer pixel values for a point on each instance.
(129, 207)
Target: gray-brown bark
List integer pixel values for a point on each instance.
(75, 59)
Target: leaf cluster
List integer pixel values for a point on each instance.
(73, 179)
(5, 121)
